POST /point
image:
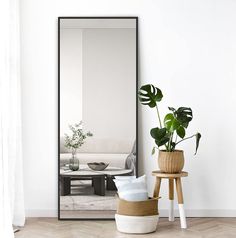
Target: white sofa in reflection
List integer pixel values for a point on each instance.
(112, 151)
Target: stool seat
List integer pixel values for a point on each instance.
(171, 177)
(166, 175)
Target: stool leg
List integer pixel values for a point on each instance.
(181, 203)
(157, 187)
(171, 198)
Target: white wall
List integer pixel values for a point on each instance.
(187, 48)
(98, 80)
(71, 78)
(109, 82)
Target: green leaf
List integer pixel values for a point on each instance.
(150, 95)
(175, 125)
(162, 141)
(184, 115)
(168, 120)
(158, 133)
(181, 132)
(172, 109)
(153, 150)
(171, 123)
(198, 137)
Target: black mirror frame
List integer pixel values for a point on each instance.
(58, 138)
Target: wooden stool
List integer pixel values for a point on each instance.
(177, 177)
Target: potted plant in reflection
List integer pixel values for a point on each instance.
(74, 141)
(170, 132)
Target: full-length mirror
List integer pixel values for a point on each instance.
(97, 113)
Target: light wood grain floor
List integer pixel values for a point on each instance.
(197, 227)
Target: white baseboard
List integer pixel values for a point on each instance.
(163, 213)
(201, 213)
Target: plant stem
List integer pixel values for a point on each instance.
(158, 114)
(169, 143)
(185, 139)
(159, 119)
(166, 147)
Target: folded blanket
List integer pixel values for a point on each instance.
(131, 188)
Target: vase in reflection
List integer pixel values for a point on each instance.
(74, 162)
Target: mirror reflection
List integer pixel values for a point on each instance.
(97, 113)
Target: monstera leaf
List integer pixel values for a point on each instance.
(183, 114)
(149, 95)
(160, 135)
(172, 109)
(171, 123)
(181, 132)
(198, 137)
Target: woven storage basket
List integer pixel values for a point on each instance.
(136, 224)
(139, 208)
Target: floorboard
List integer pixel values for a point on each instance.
(197, 227)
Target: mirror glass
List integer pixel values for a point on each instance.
(97, 113)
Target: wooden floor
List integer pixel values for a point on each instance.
(197, 227)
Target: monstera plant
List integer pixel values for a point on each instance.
(170, 132)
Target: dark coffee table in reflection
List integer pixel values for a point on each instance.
(98, 178)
